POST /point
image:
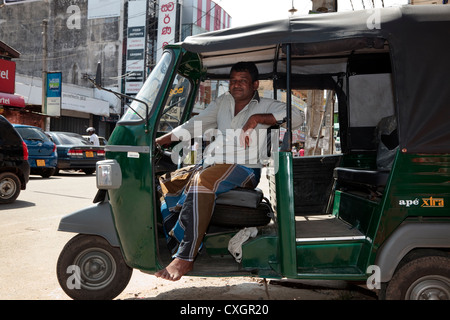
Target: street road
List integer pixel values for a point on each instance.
(29, 240)
(30, 245)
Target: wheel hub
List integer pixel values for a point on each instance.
(7, 188)
(430, 288)
(97, 268)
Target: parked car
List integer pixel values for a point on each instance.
(42, 155)
(75, 153)
(14, 166)
(103, 141)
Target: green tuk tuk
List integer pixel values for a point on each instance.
(376, 212)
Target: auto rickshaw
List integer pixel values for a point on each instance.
(376, 212)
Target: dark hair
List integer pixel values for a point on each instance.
(250, 67)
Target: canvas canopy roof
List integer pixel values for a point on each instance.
(416, 38)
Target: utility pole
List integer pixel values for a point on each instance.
(316, 112)
(44, 72)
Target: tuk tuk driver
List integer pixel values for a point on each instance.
(189, 193)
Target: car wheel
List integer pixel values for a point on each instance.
(48, 172)
(88, 171)
(423, 278)
(89, 268)
(9, 187)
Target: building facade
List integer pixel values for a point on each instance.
(74, 37)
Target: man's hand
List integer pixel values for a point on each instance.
(247, 130)
(252, 122)
(165, 139)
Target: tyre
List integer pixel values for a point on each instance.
(89, 268)
(423, 278)
(9, 187)
(48, 172)
(88, 171)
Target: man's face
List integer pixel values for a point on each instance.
(241, 86)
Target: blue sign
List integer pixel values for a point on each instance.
(53, 94)
(54, 81)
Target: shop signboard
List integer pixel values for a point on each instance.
(54, 90)
(166, 25)
(136, 40)
(7, 76)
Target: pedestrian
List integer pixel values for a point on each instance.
(93, 138)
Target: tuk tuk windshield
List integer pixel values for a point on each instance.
(149, 90)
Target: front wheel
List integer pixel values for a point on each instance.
(424, 278)
(89, 268)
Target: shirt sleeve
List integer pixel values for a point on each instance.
(278, 110)
(205, 120)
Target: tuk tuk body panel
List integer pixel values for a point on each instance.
(261, 254)
(133, 204)
(329, 257)
(285, 214)
(418, 189)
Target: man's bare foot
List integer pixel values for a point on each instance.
(175, 270)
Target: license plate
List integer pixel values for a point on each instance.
(89, 154)
(40, 163)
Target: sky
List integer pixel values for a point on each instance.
(245, 12)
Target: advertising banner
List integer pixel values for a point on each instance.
(136, 40)
(7, 76)
(167, 22)
(104, 8)
(11, 100)
(54, 91)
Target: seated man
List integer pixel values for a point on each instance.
(189, 193)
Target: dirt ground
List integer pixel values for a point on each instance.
(143, 286)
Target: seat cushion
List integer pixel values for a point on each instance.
(360, 176)
(241, 197)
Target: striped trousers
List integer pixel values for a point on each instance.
(187, 202)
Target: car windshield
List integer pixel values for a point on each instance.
(149, 90)
(32, 134)
(72, 139)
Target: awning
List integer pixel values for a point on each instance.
(11, 100)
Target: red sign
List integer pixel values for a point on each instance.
(11, 100)
(7, 76)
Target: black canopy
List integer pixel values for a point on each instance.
(416, 37)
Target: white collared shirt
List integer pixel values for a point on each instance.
(218, 120)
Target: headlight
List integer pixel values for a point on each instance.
(109, 175)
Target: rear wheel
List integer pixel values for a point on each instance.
(9, 187)
(89, 268)
(422, 278)
(48, 172)
(88, 171)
